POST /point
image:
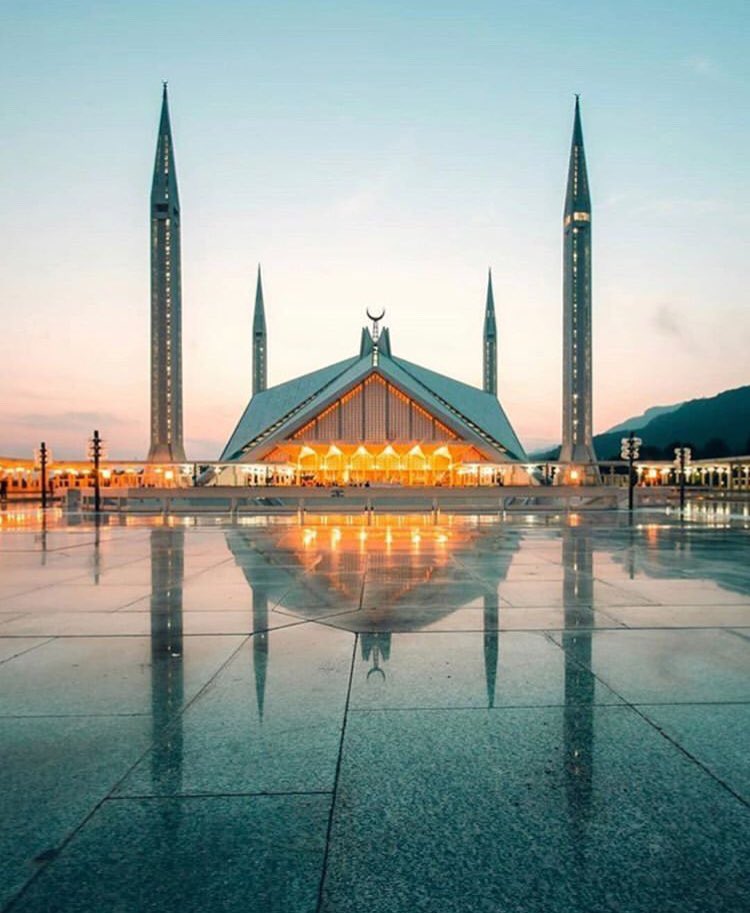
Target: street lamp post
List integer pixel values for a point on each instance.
(682, 459)
(629, 450)
(96, 454)
(42, 460)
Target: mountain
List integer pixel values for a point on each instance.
(640, 421)
(714, 426)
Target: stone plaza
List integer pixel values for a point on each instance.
(547, 712)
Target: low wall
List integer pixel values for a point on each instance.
(385, 499)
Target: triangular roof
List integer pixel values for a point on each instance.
(274, 414)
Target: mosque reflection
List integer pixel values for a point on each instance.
(374, 580)
(383, 580)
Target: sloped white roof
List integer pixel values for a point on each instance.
(277, 412)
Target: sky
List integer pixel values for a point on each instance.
(374, 154)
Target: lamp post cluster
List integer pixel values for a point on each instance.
(630, 451)
(683, 457)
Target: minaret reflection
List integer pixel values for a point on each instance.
(97, 562)
(256, 569)
(260, 644)
(578, 724)
(167, 686)
(491, 643)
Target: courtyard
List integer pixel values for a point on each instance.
(547, 712)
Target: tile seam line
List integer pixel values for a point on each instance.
(675, 744)
(84, 821)
(45, 639)
(177, 797)
(147, 635)
(337, 774)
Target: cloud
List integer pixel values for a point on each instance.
(682, 206)
(71, 421)
(668, 322)
(702, 66)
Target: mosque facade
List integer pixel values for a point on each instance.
(373, 418)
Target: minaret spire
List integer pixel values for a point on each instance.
(166, 301)
(260, 353)
(577, 441)
(489, 342)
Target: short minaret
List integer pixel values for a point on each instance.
(260, 350)
(577, 443)
(489, 342)
(166, 302)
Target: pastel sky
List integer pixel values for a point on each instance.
(367, 154)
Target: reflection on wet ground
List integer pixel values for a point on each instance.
(537, 714)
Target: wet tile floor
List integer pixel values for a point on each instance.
(537, 714)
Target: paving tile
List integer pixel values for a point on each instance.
(85, 624)
(72, 597)
(672, 666)
(553, 809)
(469, 670)
(53, 773)
(681, 616)
(230, 854)
(244, 622)
(202, 596)
(715, 734)
(445, 618)
(683, 592)
(88, 675)
(552, 595)
(270, 722)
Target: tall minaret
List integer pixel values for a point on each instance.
(577, 444)
(489, 342)
(260, 350)
(166, 302)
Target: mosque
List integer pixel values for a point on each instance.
(374, 418)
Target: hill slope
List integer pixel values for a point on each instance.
(713, 426)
